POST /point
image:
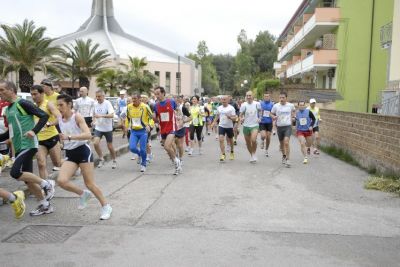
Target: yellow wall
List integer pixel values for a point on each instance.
(395, 53)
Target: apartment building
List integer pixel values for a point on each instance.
(336, 44)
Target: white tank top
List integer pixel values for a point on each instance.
(70, 127)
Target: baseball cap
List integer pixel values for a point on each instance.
(122, 92)
(312, 100)
(47, 82)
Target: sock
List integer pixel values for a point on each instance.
(12, 197)
(44, 184)
(44, 202)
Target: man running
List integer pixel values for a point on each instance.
(304, 121)
(266, 122)
(182, 117)
(250, 114)
(284, 113)
(145, 100)
(49, 93)
(85, 106)
(75, 134)
(139, 116)
(103, 126)
(121, 105)
(48, 136)
(164, 114)
(226, 115)
(22, 131)
(316, 138)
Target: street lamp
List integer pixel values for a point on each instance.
(70, 61)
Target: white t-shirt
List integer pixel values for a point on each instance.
(250, 113)
(85, 106)
(284, 113)
(223, 112)
(103, 124)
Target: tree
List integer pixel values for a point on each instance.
(24, 49)
(264, 51)
(137, 78)
(88, 60)
(225, 67)
(109, 80)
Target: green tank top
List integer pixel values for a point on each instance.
(19, 123)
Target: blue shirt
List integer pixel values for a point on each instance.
(266, 107)
(164, 103)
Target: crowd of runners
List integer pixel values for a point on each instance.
(54, 125)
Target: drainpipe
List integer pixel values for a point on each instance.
(370, 53)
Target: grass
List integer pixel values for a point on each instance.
(385, 184)
(340, 154)
(377, 181)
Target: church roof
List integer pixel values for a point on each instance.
(103, 28)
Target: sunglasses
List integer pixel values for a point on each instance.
(47, 84)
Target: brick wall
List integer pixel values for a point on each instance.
(373, 140)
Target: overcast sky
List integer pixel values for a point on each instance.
(176, 25)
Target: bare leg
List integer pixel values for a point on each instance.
(247, 138)
(267, 140)
(168, 146)
(88, 177)
(112, 151)
(96, 143)
(254, 141)
(41, 158)
(286, 148)
(68, 169)
(222, 144)
(55, 155)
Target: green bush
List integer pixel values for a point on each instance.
(263, 85)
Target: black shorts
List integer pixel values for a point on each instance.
(50, 143)
(180, 133)
(284, 131)
(315, 129)
(148, 135)
(265, 127)
(227, 131)
(81, 154)
(107, 135)
(23, 162)
(88, 121)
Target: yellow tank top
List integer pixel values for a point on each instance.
(46, 132)
(197, 118)
(139, 117)
(52, 99)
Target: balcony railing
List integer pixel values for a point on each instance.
(322, 16)
(386, 35)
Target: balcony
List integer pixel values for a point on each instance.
(324, 20)
(319, 60)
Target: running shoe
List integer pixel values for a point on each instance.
(40, 210)
(114, 164)
(305, 160)
(142, 168)
(49, 190)
(231, 156)
(316, 152)
(222, 158)
(200, 151)
(180, 166)
(255, 159)
(266, 153)
(235, 143)
(187, 149)
(190, 152)
(19, 205)
(101, 163)
(287, 164)
(133, 157)
(283, 159)
(251, 160)
(56, 169)
(106, 212)
(308, 151)
(83, 200)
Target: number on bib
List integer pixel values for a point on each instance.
(303, 121)
(164, 116)
(266, 113)
(136, 122)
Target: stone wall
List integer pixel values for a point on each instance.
(373, 140)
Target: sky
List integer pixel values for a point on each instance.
(176, 25)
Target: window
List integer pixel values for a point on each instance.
(324, 82)
(157, 74)
(328, 3)
(168, 82)
(178, 83)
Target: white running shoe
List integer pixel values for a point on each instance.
(49, 190)
(106, 212)
(187, 149)
(190, 152)
(101, 163)
(56, 169)
(142, 168)
(266, 153)
(288, 164)
(255, 158)
(83, 200)
(114, 164)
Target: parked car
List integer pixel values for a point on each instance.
(26, 96)
(114, 102)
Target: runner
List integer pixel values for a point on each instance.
(17, 201)
(139, 116)
(197, 124)
(121, 105)
(48, 136)
(226, 115)
(250, 112)
(284, 113)
(304, 121)
(103, 126)
(22, 131)
(164, 114)
(266, 124)
(49, 93)
(85, 106)
(214, 105)
(76, 134)
(187, 129)
(145, 100)
(316, 136)
(182, 117)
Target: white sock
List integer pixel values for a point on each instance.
(44, 184)
(12, 197)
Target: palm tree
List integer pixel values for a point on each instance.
(88, 60)
(110, 80)
(137, 77)
(24, 49)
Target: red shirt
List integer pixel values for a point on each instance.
(166, 117)
(4, 104)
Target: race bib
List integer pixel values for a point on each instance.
(303, 121)
(195, 121)
(266, 113)
(164, 116)
(135, 122)
(10, 130)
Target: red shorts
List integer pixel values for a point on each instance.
(305, 134)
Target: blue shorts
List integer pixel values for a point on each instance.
(164, 136)
(180, 133)
(210, 119)
(81, 154)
